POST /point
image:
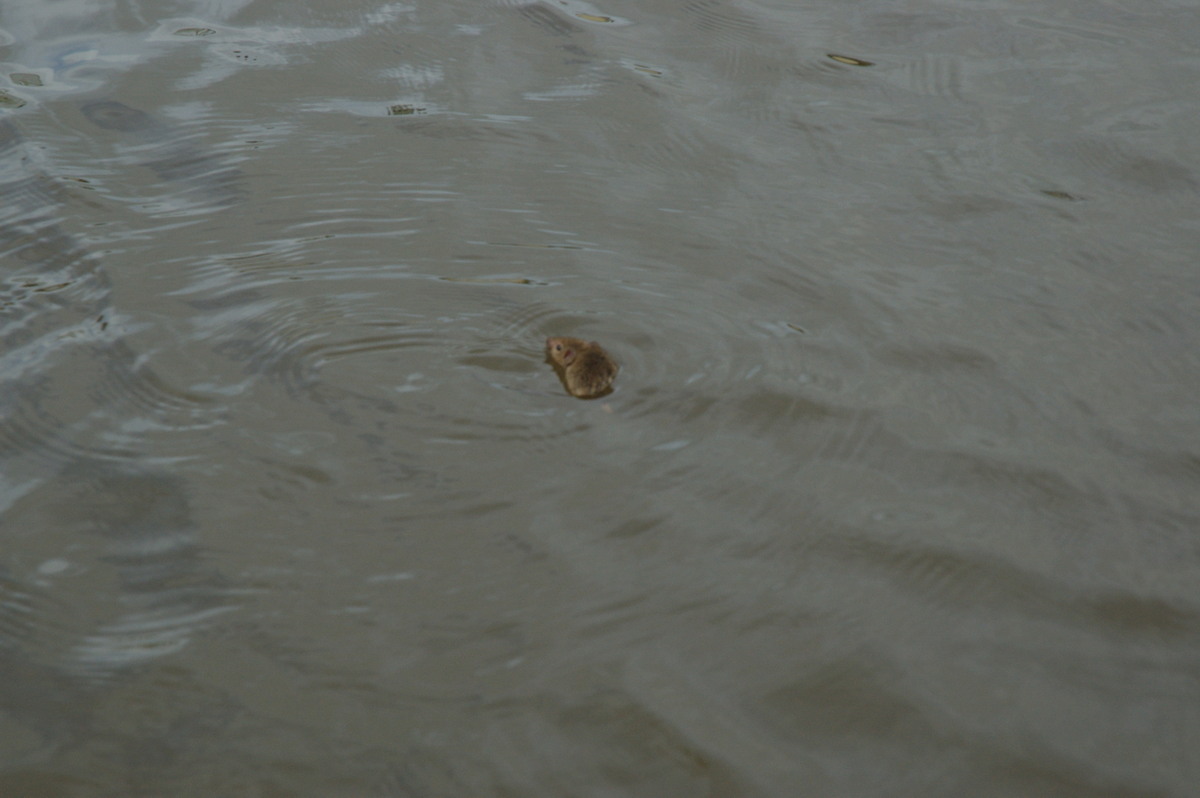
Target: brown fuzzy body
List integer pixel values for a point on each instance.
(586, 369)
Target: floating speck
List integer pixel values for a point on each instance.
(845, 59)
(1062, 195)
(10, 100)
(45, 289)
(404, 109)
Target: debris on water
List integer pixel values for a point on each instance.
(10, 100)
(404, 109)
(845, 59)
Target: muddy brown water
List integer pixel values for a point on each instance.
(898, 492)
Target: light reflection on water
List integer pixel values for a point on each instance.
(895, 493)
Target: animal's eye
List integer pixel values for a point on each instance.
(558, 347)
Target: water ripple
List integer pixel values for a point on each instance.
(194, 180)
(109, 525)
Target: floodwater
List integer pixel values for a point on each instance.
(897, 493)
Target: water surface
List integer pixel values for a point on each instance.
(896, 493)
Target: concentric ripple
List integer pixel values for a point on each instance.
(189, 179)
(106, 527)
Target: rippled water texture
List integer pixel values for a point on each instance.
(896, 493)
